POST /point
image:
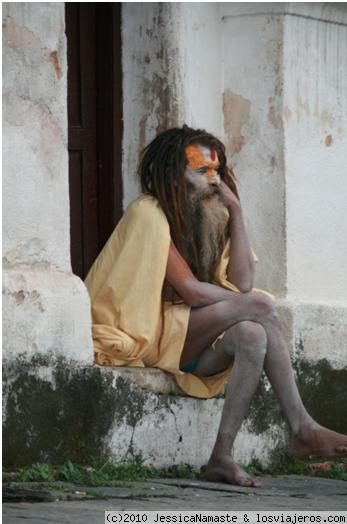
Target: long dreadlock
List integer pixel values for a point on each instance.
(161, 170)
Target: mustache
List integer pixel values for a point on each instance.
(198, 197)
(198, 194)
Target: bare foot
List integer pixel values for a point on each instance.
(224, 469)
(314, 439)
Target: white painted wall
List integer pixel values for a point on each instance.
(252, 88)
(151, 80)
(202, 74)
(36, 192)
(315, 126)
(270, 80)
(46, 307)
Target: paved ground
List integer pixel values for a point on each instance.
(81, 504)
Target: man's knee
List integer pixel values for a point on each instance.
(264, 306)
(249, 333)
(249, 338)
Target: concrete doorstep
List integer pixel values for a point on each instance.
(62, 502)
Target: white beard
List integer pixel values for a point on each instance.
(209, 218)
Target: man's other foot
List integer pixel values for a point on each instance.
(225, 469)
(314, 439)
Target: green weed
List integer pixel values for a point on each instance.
(36, 473)
(288, 465)
(118, 473)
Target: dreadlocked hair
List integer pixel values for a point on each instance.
(161, 170)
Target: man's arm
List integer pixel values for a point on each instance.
(193, 292)
(241, 265)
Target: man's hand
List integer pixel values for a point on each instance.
(229, 199)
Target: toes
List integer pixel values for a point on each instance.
(231, 475)
(247, 482)
(256, 482)
(341, 449)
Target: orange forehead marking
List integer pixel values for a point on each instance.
(196, 159)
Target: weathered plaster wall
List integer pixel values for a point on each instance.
(202, 72)
(285, 97)
(35, 136)
(252, 99)
(315, 126)
(151, 80)
(46, 308)
(245, 72)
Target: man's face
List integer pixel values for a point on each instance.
(201, 170)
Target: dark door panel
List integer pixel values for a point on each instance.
(95, 127)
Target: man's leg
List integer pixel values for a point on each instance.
(208, 322)
(245, 343)
(309, 437)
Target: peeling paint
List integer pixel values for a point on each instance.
(19, 296)
(32, 251)
(236, 110)
(32, 297)
(328, 140)
(54, 59)
(19, 36)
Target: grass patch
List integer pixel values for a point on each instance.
(36, 473)
(121, 474)
(109, 473)
(288, 465)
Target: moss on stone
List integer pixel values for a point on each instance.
(125, 391)
(324, 392)
(264, 410)
(66, 415)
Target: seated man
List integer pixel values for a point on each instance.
(173, 289)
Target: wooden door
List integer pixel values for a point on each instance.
(95, 127)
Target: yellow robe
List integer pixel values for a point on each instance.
(130, 326)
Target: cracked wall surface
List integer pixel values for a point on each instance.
(46, 307)
(36, 198)
(152, 84)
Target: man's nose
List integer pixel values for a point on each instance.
(213, 177)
